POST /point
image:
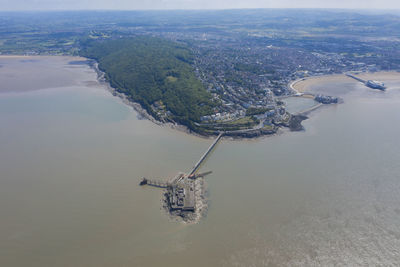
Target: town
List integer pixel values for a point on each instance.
(246, 60)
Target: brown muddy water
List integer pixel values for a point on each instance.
(71, 156)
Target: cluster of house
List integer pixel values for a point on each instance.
(275, 115)
(222, 116)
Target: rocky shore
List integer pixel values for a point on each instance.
(136, 106)
(201, 206)
(294, 123)
(142, 113)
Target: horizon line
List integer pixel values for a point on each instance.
(207, 9)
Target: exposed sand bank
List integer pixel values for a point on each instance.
(16, 56)
(20, 73)
(39, 57)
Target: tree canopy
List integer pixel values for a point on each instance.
(149, 69)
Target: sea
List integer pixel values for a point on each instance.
(72, 156)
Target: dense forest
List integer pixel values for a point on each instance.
(148, 70)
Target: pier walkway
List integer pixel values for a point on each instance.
(356, 78)
(154, 183)
(180, 177)
(195, 168)
(304, 112)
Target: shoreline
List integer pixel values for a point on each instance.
(299, 86)
(240, 135)
(41, 56)
(142, 113)
(302, 86)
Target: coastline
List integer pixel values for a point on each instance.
(303, 85)
(240, 135)
(78, 58)
(298, 85)
(301, 88)
(142, 113)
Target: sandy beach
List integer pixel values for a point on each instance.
(306, 85)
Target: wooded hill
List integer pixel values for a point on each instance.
(149, 69)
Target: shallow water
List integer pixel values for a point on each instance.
(71, 157)
(298, 104)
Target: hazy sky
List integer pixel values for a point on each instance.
(192, 4)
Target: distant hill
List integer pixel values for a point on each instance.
(150, 70)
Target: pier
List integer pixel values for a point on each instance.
(370, 83)
(356, 78)
(182, 176)
(308, 110)
(154, 183)
(195, 168)
(184, 195)
(180, 196)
